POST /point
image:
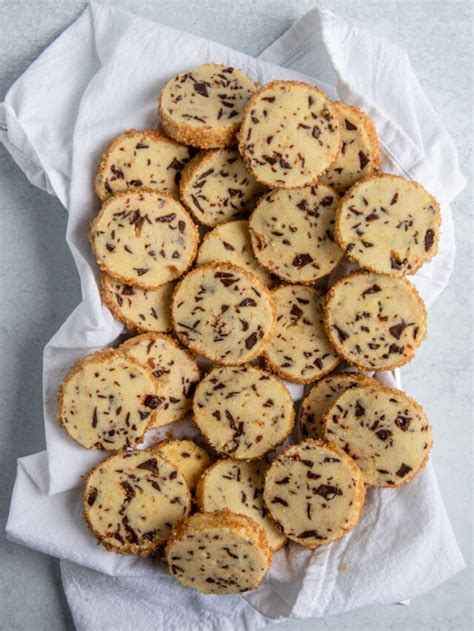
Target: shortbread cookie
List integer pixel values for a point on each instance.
(141, 159)
(290, 134)
(107, 401)
(315, 492)
(293, 233)
(375, 321)
(388, 224)
(144, 238)
(230, 243)
(359, 155)
(299, 349)
(243, 411)
(140, 309)
(238, 486)
(321, 397)
(216, 187)
(223, 312)
(132, 500)
(174, 368)
(203, 107)
(218, 553)
(187, 456)
(385, 431)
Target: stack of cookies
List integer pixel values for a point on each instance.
(217, 237)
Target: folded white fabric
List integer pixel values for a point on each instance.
(101, 76)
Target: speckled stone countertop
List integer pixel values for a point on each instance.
(41, 286)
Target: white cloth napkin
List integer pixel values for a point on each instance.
(103, 75)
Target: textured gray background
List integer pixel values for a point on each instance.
(40, 286)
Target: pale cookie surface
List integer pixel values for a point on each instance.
(203, 107)
(141, 159)
(223, 312)
(218, 553)
(290, 134)
(144, 238)
(299, 349)
(359, 155)
(321, 397)
(374, 321)
(230, 243)
(132, 500)
(107, 401)
(383, 430)
(187, 456)
(176, 372)
(243, 411)
(216, 187)
(238, 486)
(292, 233)
(389, 225)
(315, 492)
(140, 309)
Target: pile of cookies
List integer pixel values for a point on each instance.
(221, 237)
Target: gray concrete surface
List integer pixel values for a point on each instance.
(40, 285)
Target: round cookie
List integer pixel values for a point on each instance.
(375, 322)
(322, 396)
(299, 350)
(359, 155)
(315, 492)
(216, 187)
(290, 134)
(388, 224)
(383, 430)
(140, 309)
(132, 500)
(141, 159)
(187, 456)
(292, 233)
(230, 243)
(176, 372)
(223, 312)
(218, 553)
(238, 486)
(144, 238)
(243, 411)
(203, 107)
(107, 401)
